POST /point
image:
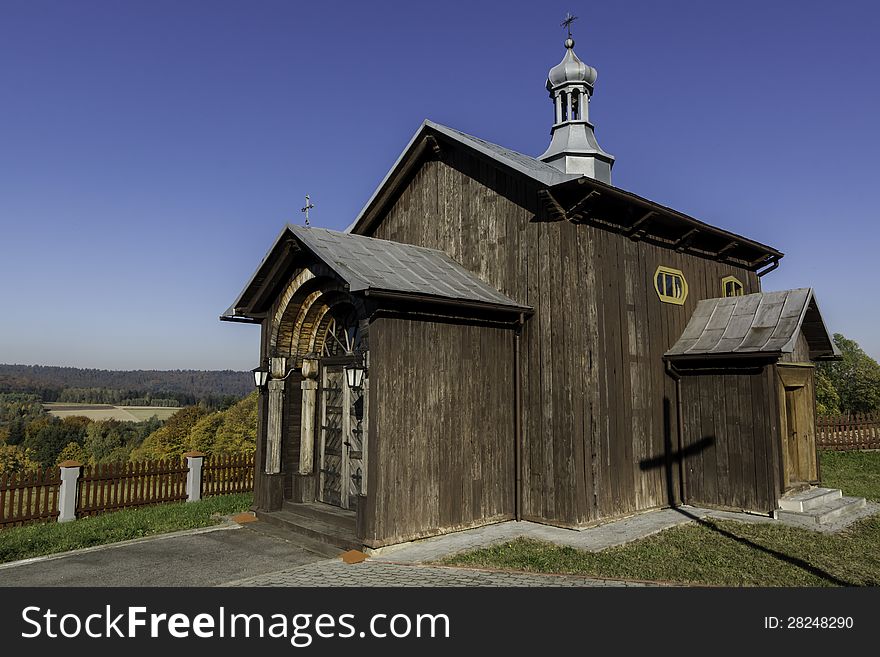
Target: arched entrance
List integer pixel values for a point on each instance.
(321, 330)
(341, 427)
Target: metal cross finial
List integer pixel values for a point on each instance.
(569, 19)
(309, 206)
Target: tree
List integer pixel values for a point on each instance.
(14, 459)
(72, 452)
(204, 433)
(171, 440)
(827, 399)
(45, 437)
(16, 430)
(855, 379)
(238, 433)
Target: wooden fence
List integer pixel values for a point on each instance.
(222, 476)
(849, 432)
(33, 496)
(27, 497)
(114, 486)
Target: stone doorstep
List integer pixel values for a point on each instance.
(829, 512)
(809, 499)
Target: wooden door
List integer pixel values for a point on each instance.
(331, 445)
(798, 426)
(342, 447)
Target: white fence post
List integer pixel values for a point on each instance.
(194, 461)
(70, 472)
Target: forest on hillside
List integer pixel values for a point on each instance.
(207, 388)
(31, 438)
(218, 415)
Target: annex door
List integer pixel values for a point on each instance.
(797, 426)
(342, 429)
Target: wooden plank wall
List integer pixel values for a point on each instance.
(801, 353)
(731, 429)
(290, 431)
(595, 392)
(441, 428)
(268, 489)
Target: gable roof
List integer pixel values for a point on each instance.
(761, 324)
(540, 172)
(678, 229)
(525, 164)
(373, 266)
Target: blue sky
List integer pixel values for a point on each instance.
(150, 151)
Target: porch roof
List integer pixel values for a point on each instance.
(376, 267)
(761, 324)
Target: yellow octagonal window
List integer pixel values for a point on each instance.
(731, 286)
(670, 285)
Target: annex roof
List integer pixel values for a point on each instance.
(761, 324)
(374, 266)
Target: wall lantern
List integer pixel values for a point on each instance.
(261, 377)
(355, 372)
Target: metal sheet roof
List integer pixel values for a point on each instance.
(368, 264)
(541, 172)
(766, 323)
(526, 164)
(755, 254)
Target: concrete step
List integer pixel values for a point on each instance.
(323, 512)
(325, 532)
(283, 533)
(835, 510)
(812, 498)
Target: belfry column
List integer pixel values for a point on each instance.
(276, 415)
(309, 387)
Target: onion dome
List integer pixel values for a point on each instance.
(571, 70)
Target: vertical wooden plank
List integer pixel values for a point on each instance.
(622, 387)
(545, 369)
(4, 484)
(590, 377)
(723, 437)
(346, 438)
(31, 480)
(22, 480)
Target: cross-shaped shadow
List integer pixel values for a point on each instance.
(670, 459)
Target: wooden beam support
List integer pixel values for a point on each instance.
(554, 209)
(728, 247)
(636, 232)
(434, 145)
(765, 259)
(260, 298)
(686, 239)
(582, 208)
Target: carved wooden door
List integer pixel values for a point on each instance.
(342, 448)
(332, 447)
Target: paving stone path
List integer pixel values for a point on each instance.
(405, 565)
(333, 572)
(610, 534)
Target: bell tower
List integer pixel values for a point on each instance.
(573, 146)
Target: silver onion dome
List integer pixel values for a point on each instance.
(571, 70)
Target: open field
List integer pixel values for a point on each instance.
(724, 552)
(110, 412)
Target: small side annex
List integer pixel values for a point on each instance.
(423, 443)
(745, 374)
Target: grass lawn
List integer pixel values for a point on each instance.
(857, 474)
(39, 539)
(727, 553)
